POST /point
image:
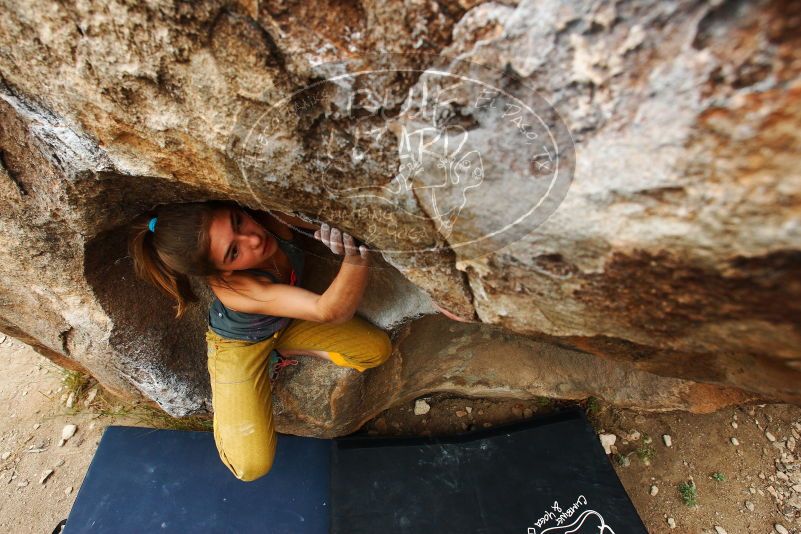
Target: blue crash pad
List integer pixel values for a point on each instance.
(546, 475)
(151, 480)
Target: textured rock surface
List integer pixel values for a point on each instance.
(674, 257)
(434, 354)
(680, 232)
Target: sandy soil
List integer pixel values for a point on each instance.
(31, 427)
(755, 493)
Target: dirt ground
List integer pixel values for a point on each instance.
(31, 426)
(756, 483)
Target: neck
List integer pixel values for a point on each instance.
(272, 264)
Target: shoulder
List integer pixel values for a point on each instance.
(239, 285)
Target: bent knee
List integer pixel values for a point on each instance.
(246, 463)
(384, 348)
(252, 469)
(381, 350)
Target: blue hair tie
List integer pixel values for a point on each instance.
(152, 224)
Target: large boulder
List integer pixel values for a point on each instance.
(666, 274)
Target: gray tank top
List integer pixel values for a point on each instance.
(256, 326)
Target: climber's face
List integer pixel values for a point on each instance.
(238, 241)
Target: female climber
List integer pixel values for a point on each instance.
(254, 267)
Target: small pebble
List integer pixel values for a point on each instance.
(460, 413)
(720, 530)
(421, 407)
(733, 424)
(770, 436)
(468, 409)
(607, 440)
(45, 476)
(36, 426)
(380, 425)
(5, 455)
(90, 397)
(671, 522)
(749, 505)
(68, 431)
(778, 527)
(68, 490)
(668, 441)
(654, 490)
(735, 441)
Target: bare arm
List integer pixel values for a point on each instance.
(252, 295)
(336, 305)
(344, 294)
(342, 297)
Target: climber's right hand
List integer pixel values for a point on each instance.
(340, 243)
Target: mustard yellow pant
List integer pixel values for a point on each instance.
(240, 388)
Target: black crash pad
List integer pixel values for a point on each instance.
(149, 480)
(546, 475)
